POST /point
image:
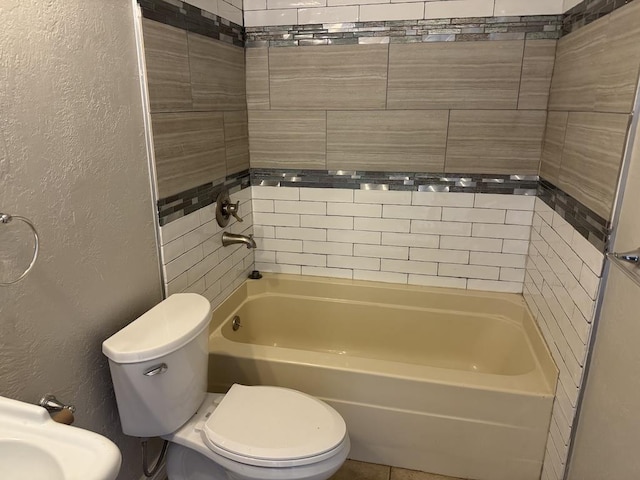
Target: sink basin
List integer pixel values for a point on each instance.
(15, 454)
(34, 447)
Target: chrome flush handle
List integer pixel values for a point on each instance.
(156, 370)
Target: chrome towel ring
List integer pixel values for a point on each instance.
(6, 218)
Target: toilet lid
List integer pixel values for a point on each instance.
(262, 425)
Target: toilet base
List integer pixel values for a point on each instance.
(186, 464)
(188, 457)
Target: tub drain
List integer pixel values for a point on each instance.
(235, 324)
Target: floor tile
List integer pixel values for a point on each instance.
(353, 470)
(403, 474)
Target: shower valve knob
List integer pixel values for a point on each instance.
(232, 209)
(226, 209)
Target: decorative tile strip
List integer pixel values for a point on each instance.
(192, 19)
(408, 31)
(184, 203)
(588, 223)
(588, 12)
(412, 181)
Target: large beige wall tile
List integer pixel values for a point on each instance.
(189, 150)
(552, 146)
(236, 140)
(628, 228)
(217, 74)
(281, 139)
(387, 140)
(328, 77)
(495, 141)
(257, 62)
(591, 159)
(167, 59)
(617, 82)
(455, 75)
(579, 65)
(537, 69)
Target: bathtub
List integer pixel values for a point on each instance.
(441, 380)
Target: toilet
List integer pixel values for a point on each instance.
(159, 367)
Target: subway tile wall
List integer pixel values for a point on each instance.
(219, 19)
(292, 12)
(592, 92)
(561, 286)
(461, 240)
(196, 15)
(193, 258)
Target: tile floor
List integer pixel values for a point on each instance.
(353, 470)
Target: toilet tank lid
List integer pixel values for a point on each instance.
(162, 330)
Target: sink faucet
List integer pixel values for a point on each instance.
(234, 238)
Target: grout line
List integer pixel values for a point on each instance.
(524, 49)
(386, 97)
(446, 142)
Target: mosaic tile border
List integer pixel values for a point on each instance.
(588, 223)
(407, 31)
(407, 181)
(192, 19)
(183, 203)
(588, 12)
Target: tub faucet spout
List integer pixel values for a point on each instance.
(234, 238)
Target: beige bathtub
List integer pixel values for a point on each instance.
(441, 380)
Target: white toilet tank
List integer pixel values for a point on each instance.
(159, 365)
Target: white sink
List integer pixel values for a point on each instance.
(34, 447)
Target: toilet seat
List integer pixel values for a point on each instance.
(273, 427)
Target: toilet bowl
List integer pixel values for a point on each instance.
(159, 367)
(192, 456)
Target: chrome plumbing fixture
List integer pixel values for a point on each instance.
(631, 257)
(235, 325)
(52, 404)
(5, 218)
(235, 238)
(225, 209)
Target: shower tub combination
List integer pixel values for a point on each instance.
(440, 380)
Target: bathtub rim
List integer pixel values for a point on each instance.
(540, 381)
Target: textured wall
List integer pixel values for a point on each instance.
(72, 158)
